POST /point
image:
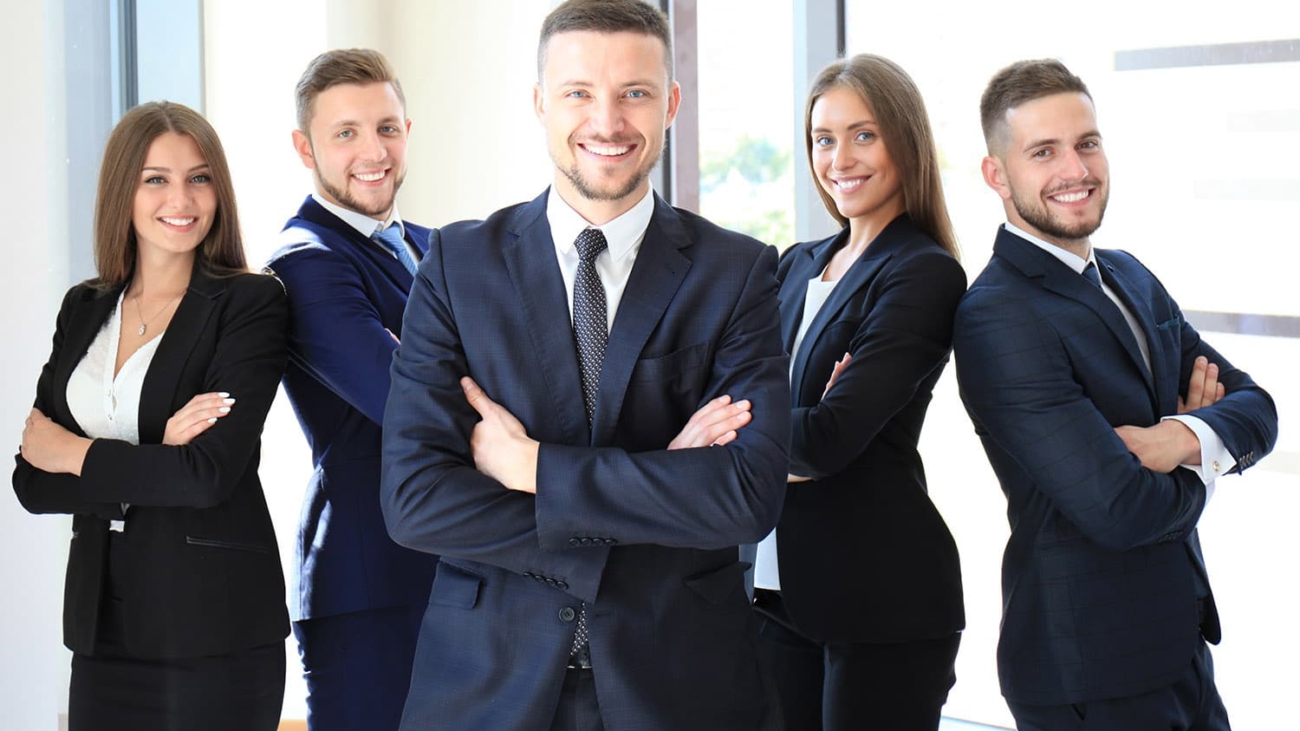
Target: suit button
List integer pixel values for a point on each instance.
(567, 614)
(586, 541)
(561, 585)
(574, 542)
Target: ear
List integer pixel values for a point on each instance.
(995, 176)
(302, 145)
(408, 128)
(674, 101)
(539, 103)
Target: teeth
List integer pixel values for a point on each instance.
(369, 177)
(848, 185)
(609, 150)
(177, 221)
(1071, 197)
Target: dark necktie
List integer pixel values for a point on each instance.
(391, 239)
(1090, 273)
(591, 333)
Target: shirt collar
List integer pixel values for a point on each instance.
(622, 234)
(365, 225)
(1065, 257)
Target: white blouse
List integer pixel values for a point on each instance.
(104, 405)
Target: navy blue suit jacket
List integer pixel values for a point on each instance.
(864, 554)
(346, 295)
(1099, 578)
(646, 537)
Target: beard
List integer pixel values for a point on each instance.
(589, 190)
(347, 200)
(1035, 213)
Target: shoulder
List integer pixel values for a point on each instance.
(702, 232)
(248, 290)
(474, 231)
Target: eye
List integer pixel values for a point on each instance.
(389, 129)
(345, 134)
(576, 94)
(1042, 154)
(155, 180)
(1089, 145)
(865, 136)
(822, 141)
(637, 94)
(201, 179)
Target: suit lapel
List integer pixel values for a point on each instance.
(1141, 309)
(314, 212)
(174, 350)
(659, 270)
(535, 274)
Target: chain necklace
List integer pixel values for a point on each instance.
(144, 324)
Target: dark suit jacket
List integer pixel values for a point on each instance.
(345, 296)
(646, 537)
(864, 555)
(201, 570)
(1099, 577)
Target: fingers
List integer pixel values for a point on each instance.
(716, 423)
(1203, 387)
(476, 397)
(839, 367)
(197, 416)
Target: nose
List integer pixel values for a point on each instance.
(606, 118)
(1072, 166)
(373, 148)
(180, 196)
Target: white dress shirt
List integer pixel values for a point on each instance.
(1215, 457)
(368, 227)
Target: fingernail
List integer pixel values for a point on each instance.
(228, 401)
(224, 409)
(213, 420)
(223, 394)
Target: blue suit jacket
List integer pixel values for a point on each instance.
(1099, 578)
(864, 554)
(345, 295)
(646, 537)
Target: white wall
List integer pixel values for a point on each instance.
(33, 663)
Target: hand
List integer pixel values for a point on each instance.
(49, 447)
(500, 446)
(196, 417)
(840, 365)
(797, 478)
(1163, 447)
(393, 336)
(715, 424)
(1203, 387)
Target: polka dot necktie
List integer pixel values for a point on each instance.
(591, 333)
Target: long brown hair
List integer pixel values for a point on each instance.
(221, 251)
(893, 98)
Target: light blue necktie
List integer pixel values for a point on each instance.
(391, 239)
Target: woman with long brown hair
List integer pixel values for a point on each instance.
(146, 429)
(858, 590)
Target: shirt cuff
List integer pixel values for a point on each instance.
(1216, 460)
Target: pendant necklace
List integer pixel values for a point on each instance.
(144, 324)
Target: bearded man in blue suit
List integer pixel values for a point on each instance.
(347, 262)
(1107, 419)
(565, 366)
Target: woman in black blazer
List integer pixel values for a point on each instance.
(859, 588)
(146, 429)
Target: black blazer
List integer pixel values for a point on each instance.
(201, 569)
(864, 555)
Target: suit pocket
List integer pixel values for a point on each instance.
(677, 363)
(454, 586)
(720, 586)
(227, 545)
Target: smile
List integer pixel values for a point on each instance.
(848, 185)
(608, 150)
(370, 177)
(1074, 197)
(177, 222)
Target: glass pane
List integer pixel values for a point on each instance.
(1204, 143)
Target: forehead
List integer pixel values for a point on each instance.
(841, 105)
(588, 56)
(170, 147)
(1067, 115)
(356, 102)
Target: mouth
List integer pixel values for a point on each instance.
(178, 222)
(374, 177)
(848, 185)
(1071, 197)
(607, 151)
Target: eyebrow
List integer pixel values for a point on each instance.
(1090, 134)
(168, 170)
(356, 123)
(851, 127)
(589, 84)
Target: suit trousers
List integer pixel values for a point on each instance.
(578, 709)
(358, 667)
(851, 686)
(1190, 703)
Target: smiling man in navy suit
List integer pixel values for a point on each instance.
(1107, 419)
(347, 261)
(589, 575)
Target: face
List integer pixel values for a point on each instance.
(357, 146)
(1053, 175)
(605, 101)
(851, 161)
(175, 201)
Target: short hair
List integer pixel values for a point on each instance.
(1023, 81)
(221, 251)
(606, 16)
(342, 66)
(896, 103)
